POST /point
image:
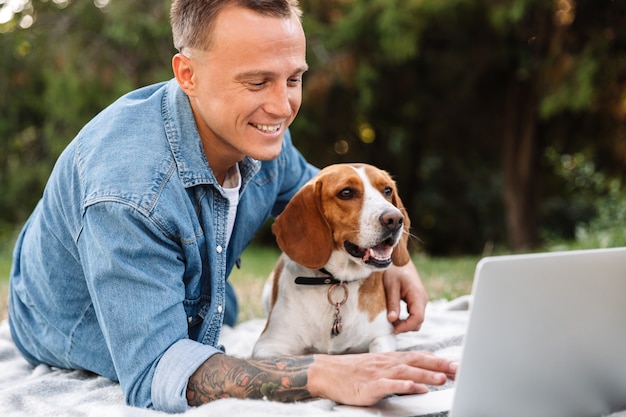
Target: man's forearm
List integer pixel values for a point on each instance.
(221, 376)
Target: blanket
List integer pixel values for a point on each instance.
(42, 391)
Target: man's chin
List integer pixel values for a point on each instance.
(267, 151)
(265, 156)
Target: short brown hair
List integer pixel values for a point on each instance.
(192, 20)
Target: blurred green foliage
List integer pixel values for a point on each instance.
(477, 107)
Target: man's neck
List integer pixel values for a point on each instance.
(219, 159)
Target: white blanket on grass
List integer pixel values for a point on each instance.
(44, 391)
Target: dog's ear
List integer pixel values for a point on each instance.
(302, 231)
(400, 255)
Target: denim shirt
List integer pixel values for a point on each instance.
(121, 268)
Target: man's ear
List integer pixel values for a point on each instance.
(184, 73)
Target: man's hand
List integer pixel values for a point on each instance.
(364, 379)
(358, 379)
(404, 283)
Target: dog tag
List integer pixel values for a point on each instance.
(337, 325)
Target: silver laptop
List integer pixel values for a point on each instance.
(546, 338)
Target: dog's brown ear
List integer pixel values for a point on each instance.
(302, 231)
(400, 255)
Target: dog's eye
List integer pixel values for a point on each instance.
(388, 192)
(346, 194)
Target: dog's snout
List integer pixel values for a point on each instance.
(392, 220)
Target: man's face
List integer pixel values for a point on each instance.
(248, 85)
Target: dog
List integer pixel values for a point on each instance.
(338, 234)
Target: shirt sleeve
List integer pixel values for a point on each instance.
(134, 276)
(180, 361)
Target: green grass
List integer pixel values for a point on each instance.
(7, 241)
(5, 266)
(256, 264)
(448, 277)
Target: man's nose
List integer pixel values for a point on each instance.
(280, 101)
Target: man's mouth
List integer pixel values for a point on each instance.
(266, 128)
(378, 256)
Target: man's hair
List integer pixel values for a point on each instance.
(193, 20)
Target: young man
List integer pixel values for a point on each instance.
(121, 269)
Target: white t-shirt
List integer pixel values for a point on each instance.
(232, 184)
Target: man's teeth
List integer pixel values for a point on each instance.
(267, 128)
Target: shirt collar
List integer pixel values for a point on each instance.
(186, 145)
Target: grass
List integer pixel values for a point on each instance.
(446, 277)
(6, 249)
(256, 265)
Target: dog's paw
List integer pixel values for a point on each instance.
(386, 343)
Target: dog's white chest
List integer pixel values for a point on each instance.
(304, 321)
(332, 322)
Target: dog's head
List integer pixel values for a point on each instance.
(346, 210)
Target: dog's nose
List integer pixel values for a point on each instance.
(392, 220)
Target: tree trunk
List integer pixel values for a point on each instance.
(519, 166)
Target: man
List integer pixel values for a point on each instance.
(121, 269)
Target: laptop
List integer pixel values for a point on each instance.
(546, 337)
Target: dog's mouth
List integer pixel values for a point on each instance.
(378, 256)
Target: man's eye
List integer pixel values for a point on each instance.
(256, 85)
(295, 80)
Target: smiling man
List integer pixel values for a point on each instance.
(121, 269)
(245, 86)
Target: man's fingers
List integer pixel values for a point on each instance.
(403, 283)
(412, 323)
(392, 289)
(399, 386)
(416, 308)
(429, 361)
(417, 367)
(365, 379)
(384, 387)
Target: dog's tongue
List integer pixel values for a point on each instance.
(381, 252)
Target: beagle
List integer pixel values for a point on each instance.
(338, 234)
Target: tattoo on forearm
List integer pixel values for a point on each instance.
(280, 379)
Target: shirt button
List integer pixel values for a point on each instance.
(219, 249)
(219, 309)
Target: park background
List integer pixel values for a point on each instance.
(503, 121)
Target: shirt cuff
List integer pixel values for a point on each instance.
(178, 363)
